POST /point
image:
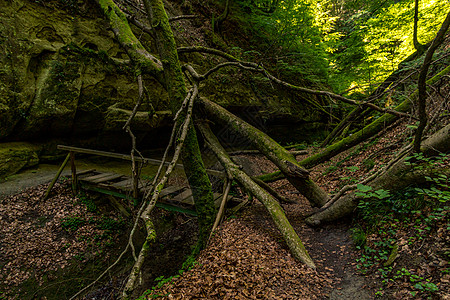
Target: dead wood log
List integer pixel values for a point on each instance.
(370, 130)
(397, 177)
(273, 207)
(282, 158)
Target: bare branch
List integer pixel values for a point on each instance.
(256, 68)
(157, 189)
(207, 50)
(182, 17)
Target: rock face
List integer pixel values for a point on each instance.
(57, 73)
(17, 156)
(63, 75)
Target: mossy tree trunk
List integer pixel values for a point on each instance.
(368, 131)
(273, 207)
(176, 88)
(282, 158)
(397, 177)
(422, 88)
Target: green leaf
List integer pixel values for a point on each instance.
(363, 188)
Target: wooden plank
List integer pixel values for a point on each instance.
(106, 178)
(162, 205)
(125, 184)
(128, 157)
(189, 200)
(93, 178)
(105, 191)
(61, 168)
(175, 208)
(183, 196)
(85, 172)
(170, 190)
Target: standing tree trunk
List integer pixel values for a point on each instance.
(176, 88)
(422, 81)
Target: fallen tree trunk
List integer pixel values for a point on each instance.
(282, 158)
(376, 94)
(370, 130)
(273, 207)
(397, 177)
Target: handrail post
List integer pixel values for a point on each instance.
(61, 168)
(74, 173)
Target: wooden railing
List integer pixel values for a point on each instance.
(141, 160)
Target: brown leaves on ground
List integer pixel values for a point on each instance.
(243, 263)
(33, 243)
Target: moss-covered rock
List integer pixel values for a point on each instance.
(60, 70)
(17, 156)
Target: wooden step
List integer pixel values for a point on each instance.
(106, 178)
(184, 197)
(85, 172)
(93, 178)
(171, 190)
(125, 184)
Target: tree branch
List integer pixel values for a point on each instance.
(182, 17)
(273, 207)
(139, 55)
(422, 81)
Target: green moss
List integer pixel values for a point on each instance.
(17, 156)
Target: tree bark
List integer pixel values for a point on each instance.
(397, 177)
(276, 212)
(282, 158)
(422, 101)
(220, 19)
(416, 43)
(135, 50)
(191, 156)
(358, 137)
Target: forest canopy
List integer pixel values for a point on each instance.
(357, 43)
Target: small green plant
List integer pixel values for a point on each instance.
(359, 237)
(329, 170)
(88, 202)
(352, 168)
(71, 224)
(110, 224)
(367, 192)
(369, 164)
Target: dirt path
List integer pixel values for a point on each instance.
(28, 178)
(44, 173)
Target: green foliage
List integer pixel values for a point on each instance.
(359, 237)
(369, 164)
(367, 192)
(88, 202)
(110, 224)
(72, 224)
(417, 210)
(160, 281)
(289, 33)
(375, 36)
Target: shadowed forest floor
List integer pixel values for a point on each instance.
(44, 244)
